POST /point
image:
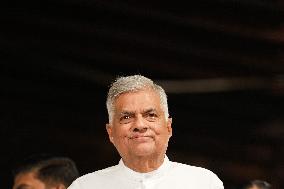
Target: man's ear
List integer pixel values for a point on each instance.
(169, 125)
(109, 132)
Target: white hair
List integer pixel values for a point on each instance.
(134, 83)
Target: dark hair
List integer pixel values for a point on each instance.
(258, 183)
(50, 170)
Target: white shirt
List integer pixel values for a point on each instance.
(170, 175)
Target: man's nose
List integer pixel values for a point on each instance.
(139, 124)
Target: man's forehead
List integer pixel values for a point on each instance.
(126, 111)
(25, 176)
(148, 92)
(136, 101)
(27, 180)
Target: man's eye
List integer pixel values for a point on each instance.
(152, 115)
(125, 117)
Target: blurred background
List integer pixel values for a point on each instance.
(220, 62)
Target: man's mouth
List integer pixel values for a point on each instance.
(141, 137)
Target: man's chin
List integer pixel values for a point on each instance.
(143, 150)
(142, 140)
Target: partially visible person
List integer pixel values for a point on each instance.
(258, 184)
(45, 172)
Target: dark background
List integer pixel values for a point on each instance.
(221, 63)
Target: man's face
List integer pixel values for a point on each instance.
(28, 181)
(139, 127)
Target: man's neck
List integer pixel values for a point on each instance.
(144, 164)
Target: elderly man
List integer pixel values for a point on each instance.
(140, 128)
(45, 172)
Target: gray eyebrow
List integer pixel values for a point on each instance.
(125, 112)
(150, 110)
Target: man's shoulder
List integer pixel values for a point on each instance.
(98, 174)
(181, 167)
(95, 179)
(199, 176)
(107, 170)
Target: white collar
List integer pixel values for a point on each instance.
(131, 174)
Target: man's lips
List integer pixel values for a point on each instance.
(140, 137)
